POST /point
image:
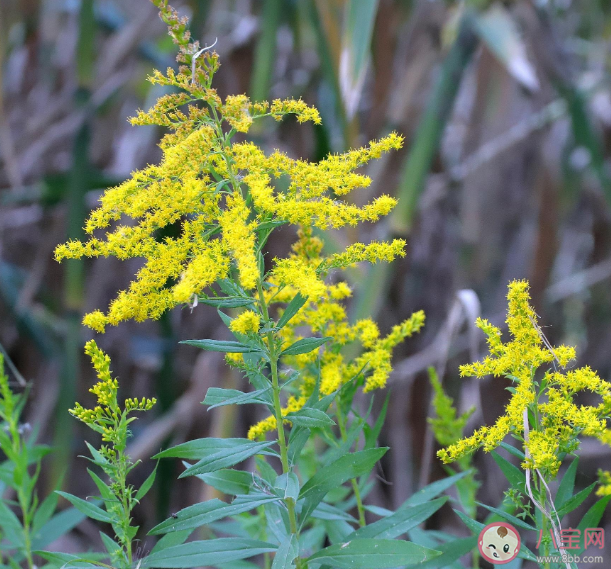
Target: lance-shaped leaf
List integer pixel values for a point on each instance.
(335, 474)
(90, 510)
(201, 448)
(225, 346)
(373, 554)
(206, 512)
(565, 490)
(217, 397)
(229, 481)
(305, 346)
(206, 553)
(292, 308)
(225, 458)
(310, 418)
(400, 522)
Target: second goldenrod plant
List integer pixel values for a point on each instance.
(544, 415)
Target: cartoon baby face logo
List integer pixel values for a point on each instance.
(499, 543)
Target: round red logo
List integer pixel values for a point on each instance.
(499, 543)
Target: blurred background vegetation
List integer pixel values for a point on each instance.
(506, 110)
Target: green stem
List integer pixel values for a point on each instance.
(23, 496)
(290, 503)
(355, 486)
(542, 497)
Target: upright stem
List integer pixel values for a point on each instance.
(23, 496)
(290, 503)
(355, 486)
(542, 497)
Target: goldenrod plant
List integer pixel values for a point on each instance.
(316, 449)
(546, 419)
(26, 523)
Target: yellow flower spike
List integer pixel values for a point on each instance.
(105, 390)
(240, 239)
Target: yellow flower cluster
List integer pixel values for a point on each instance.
(247, 322)
(144, 404)
(325, 314)
(304, 113)
(107, 417)
(550, 397)
(293, 404)
(372, 253)
(604, 479)
(218, 194)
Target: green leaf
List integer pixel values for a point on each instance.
(207, 512)
(305, 346)
(345, 446)
(371, 435)
(373, 554)
(434, 489)
(97, 457)
(226, 457)
(592, 517)
(217, 397)
(575, 501)
(513, 450)
(450, 552)
(171, 539)
(270, 224)
(298, 437)
(109, 543)
(326, 511)
(202, 448)
(343, 469)
(514, 475)
(105, 491)
(288, 484)
(226, 302)
(512, 519)
(225, 346)
(44, 512)
(292, 308)
(67, 560)
(11, 526)
(310, 418)
(146, 485)
(90, 510)
(350, 466)
(567, 484)
(400, 522)
(229, 481)
(286, 554)
(60, 524)
(205, 553)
